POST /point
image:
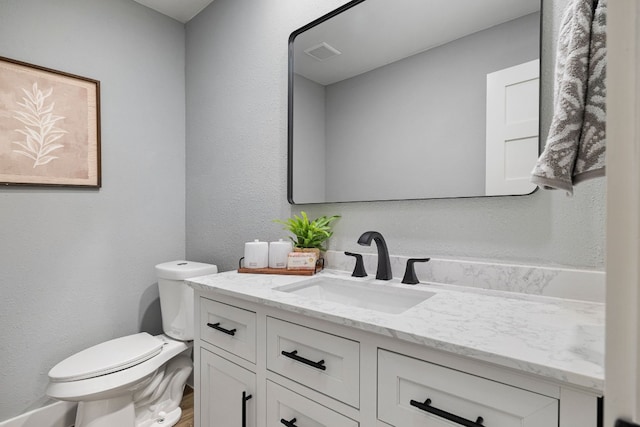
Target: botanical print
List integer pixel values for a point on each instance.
(49, 127)
(40, 129)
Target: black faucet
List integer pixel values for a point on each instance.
(384, 265)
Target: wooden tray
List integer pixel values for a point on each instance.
(282, 271)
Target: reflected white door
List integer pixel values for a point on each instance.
(513, 98)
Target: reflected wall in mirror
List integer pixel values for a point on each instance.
(414, 99)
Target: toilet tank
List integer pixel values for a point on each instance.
(176, 298)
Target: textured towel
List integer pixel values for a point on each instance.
(575, 149)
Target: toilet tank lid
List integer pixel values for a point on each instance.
(107, 357)
(180, 270)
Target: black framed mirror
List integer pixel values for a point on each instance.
(414, 99)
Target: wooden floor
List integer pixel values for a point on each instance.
(187, 408)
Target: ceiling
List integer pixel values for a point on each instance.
(180, 10)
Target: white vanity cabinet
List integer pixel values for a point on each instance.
(302, 371)
(239, 356)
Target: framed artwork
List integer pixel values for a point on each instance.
(49, 127)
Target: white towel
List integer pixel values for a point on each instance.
(575, 149)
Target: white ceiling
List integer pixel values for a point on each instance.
(180, 10)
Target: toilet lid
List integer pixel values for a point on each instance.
(107, 357)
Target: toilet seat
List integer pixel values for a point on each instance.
(106, 386)
(108, 357)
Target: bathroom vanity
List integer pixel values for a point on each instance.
(283, 351)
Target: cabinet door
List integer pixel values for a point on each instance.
(286, 408)
(227, 393)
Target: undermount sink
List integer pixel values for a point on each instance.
(389, 299)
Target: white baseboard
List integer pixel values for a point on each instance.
(59, 414)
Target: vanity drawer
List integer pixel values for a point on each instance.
(286, 408)
(324, 362)
(405, 384)
(231, 328)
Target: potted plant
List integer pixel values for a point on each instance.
(310, 236)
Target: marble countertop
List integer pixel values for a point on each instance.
(555, 338)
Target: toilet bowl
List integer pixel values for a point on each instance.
(136, 380)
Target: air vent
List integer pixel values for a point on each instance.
(322, 51)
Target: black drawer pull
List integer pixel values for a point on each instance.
(245, 397)
(426, 406)
(217, 327)
(294, 355)
(291, 423)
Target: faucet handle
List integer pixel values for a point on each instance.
(410, 277)
(359, 270)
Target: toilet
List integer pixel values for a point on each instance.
(136, 380)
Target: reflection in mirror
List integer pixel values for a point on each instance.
(414, 99)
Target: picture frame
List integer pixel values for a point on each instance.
(49, 127)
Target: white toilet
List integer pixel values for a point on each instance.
(137, 380)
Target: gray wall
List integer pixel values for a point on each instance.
(236, 159)
(76, 266)
(237, 123)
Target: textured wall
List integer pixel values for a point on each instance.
(237, 123)
(76, 266)
(236, 159)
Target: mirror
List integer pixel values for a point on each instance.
(414, 99)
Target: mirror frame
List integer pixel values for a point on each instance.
(290, 78)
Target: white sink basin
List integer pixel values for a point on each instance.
(357, 294)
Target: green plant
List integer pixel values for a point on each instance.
(309, 234)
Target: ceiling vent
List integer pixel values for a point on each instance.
(322, 51)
